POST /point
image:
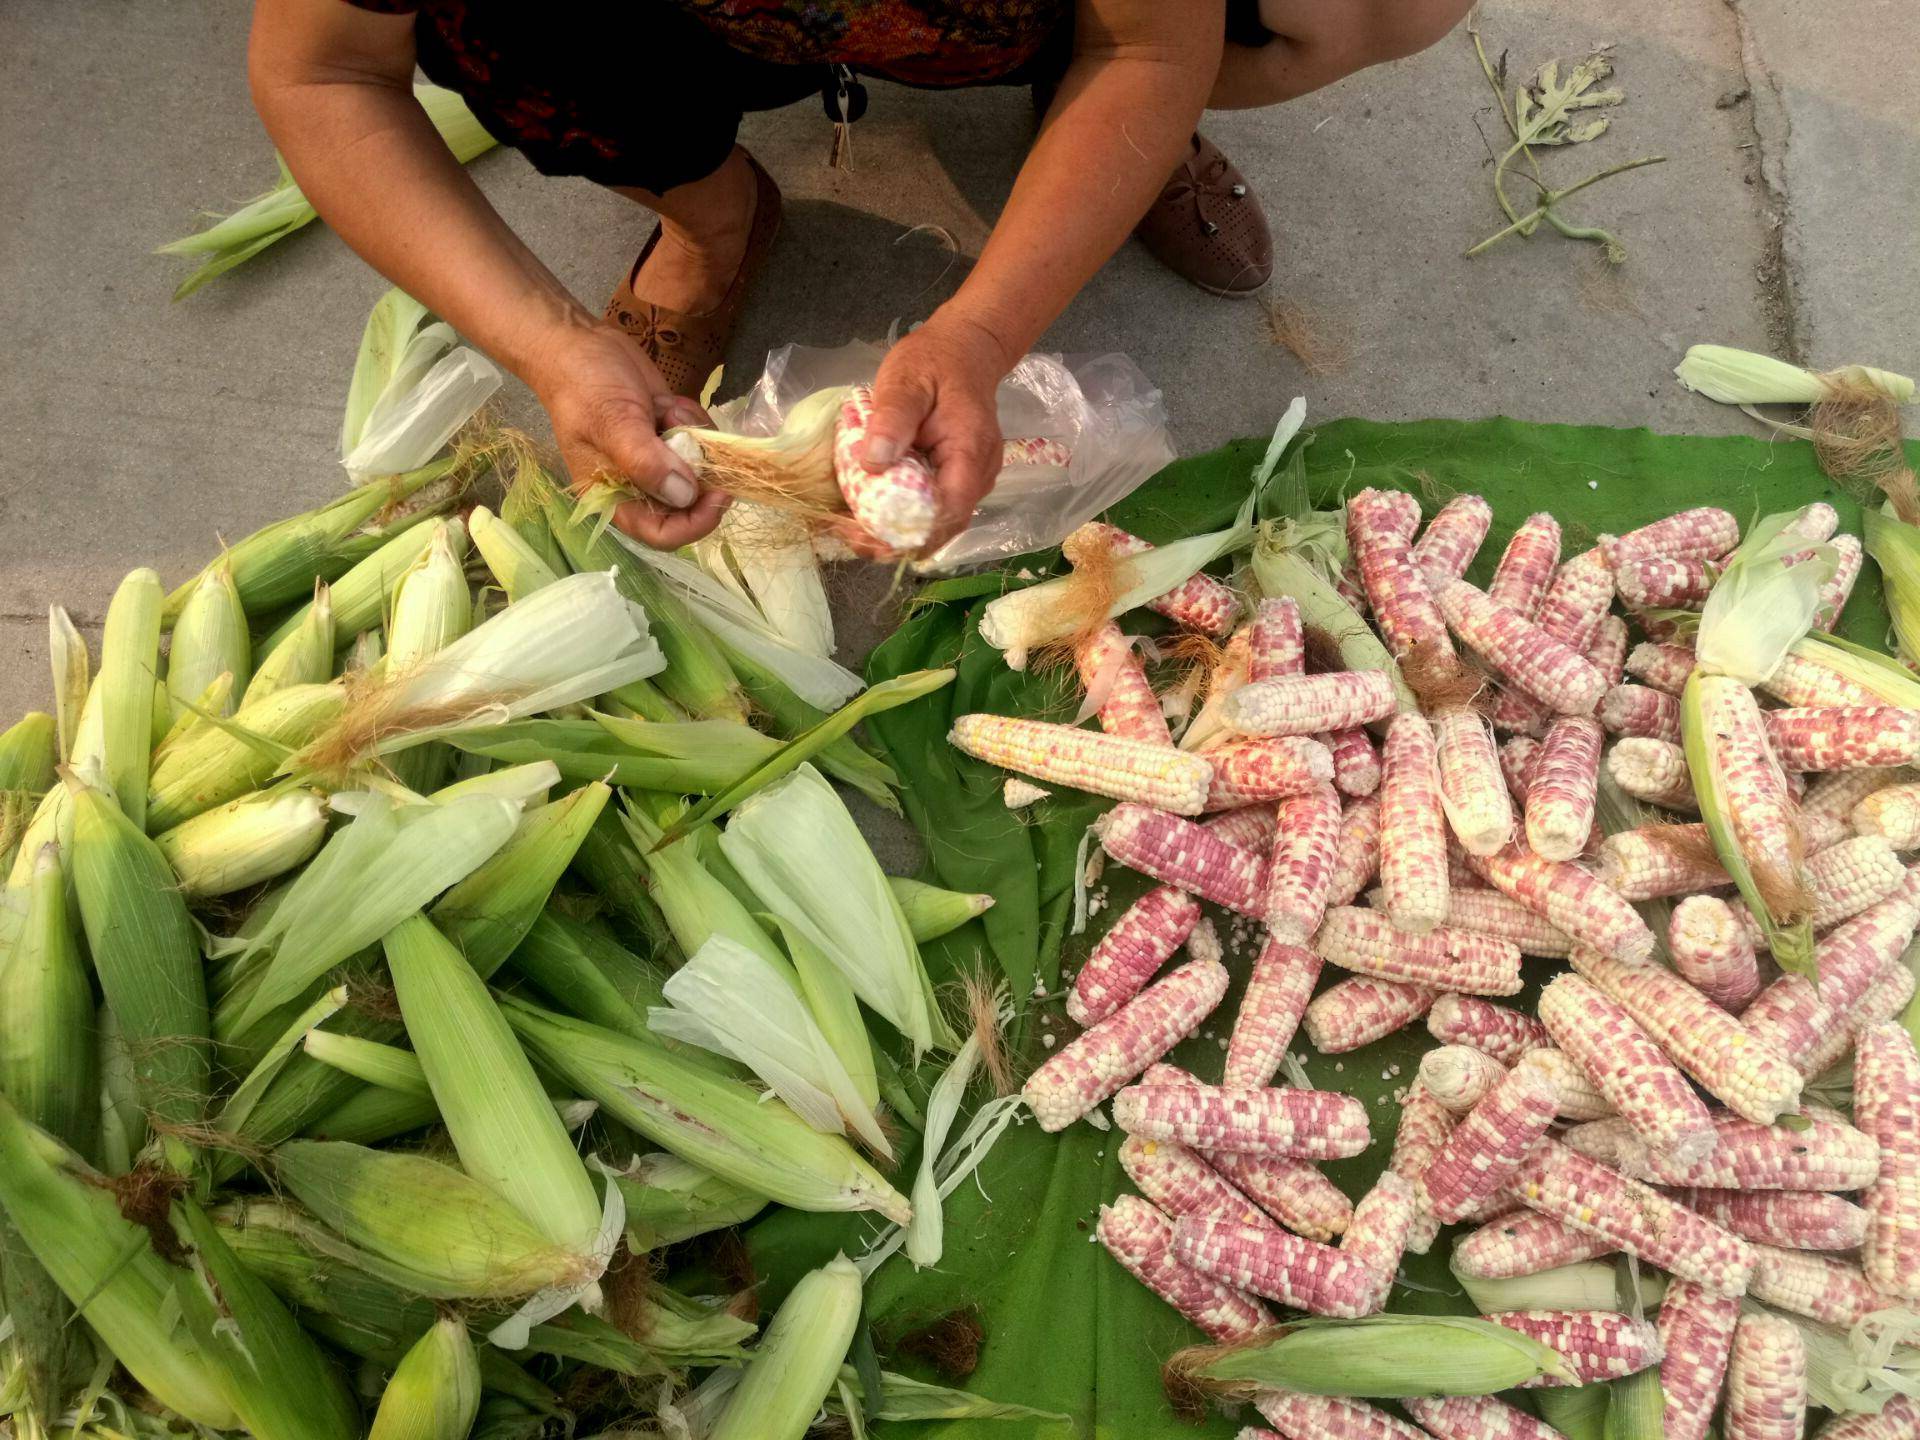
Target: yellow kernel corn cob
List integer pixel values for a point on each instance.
(1476, 1417)
(1789, 1219)
(1608, 653)
(1834, 593)
(1886, 1105)
(1892, 812)
(1199, 602)
(1598, 1344)
(1664, 667)
(1402, 603)
(1276, 997)
(1517, 757)
(1187, 856)
(1800, 680)
(1368, 943)
(1178, 1182)
(1356, 853)
(1526, 566)
(1827, 1155)
(1899, 1419)
(1493, 1029)
(1131, 953)
(1328, 1417)
(1713, 951)
(1886, 999)
(1521, 652)
(1766, 1381)
(1356, 761)
(1737, 1068)
(1850, 876)
(1485, 1149)
(1635, 1217)
(1629, 1068)
(1157, 775)
(1523, 1244)
(1705, 531)
(1473, 792)
(1306, 1124)
(1383, 1222)
(1665, 582)
(1580, 1098)
(1300, 1274)
(1423, 1128)
(1359, 1011)
(1095, 1064)
(1141, 1239)
(1641, 710)
(897, 505)
(1413, 830)
(1820, 1287)
(1275, 645)
(1792, 1013)
(1654, 771)
(1563, 788)
(1110, 670)
(1309, 704)
(1660, 860)
(1252, 772)
(1572, 901)
(1452, 538)
(1844, 737)
(1696, 1328)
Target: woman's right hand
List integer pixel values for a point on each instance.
(608, 404)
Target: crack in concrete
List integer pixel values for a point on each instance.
(1770, 131)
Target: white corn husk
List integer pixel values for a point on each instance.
(515, 564)
(72, 674)
(1761, 606)
(413, 386)
(771, 555)
(1587, 1285)
(1742, 377)
(432, 606)
(245, 842)
(729, 1000)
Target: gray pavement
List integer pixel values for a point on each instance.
(135, 430)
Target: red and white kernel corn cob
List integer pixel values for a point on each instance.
(1563, 787)
(1575, 605)
(1886, 1105)
(1309, 704)
(897, 505)
(1899, 1419)
(1095, 1064)
(1633, 1216)
(1306, 1124)
(1517, 757)
(1360, 1011)
(1424, 1127)
(1294, 1192)
(1131, 953)
(1182, 854)
(1609, 650)
(1276, 997)
(1377, 1236)
(1790, 1219)
(1630, 1069)
(1328, 1417)
(1664, 667)
(1157, 775)
(1666, 582)
(1356, 854)
(1367, 943)
(1766, 1380)
(1598, 1344)
(1655, 861)
(1802, 680)
(1356, 761)
(1828, 1154)
(1696, 1330)
(1572, 901)
(1845, 737)
(1523, 1244)
(1452, 538)
(1459, 1076)
(1641, 710)
(1111, 672)
(1476, 1417)
(1712, 951)
(1250, 827)
(1706, 531)
(1487, 1146)
(1488, 912)
(1521, 652)
(1402, 603)
(1413, 828)
(1141, 1238)
(1473, 791)
(1039, 450)
(1494, 1030)
(1179, 1182)
(1852, 876)
(1886, 999)
(1736, 1067)
(1300, 872)
(1753, 788)
(1251, 772)
(1654, 771)
(1199, 602)
(1301, 1274)
(1580, 1099)
(1397, 512)
(1839, 586)
(1820, 1287)
(1816, 521)
(1892, 812)
(1526, 566)
(1792, 1014)
(1275, 644)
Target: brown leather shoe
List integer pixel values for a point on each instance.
(688, 347)
(1207, 226)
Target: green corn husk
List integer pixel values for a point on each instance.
(527, 784)
(422, 1225)
(361, 594)
(903, 1399)
(244, 842)
(610, 864)
(931, 911)
(797, 1361)
(209, 639)
(278, 1381)
(146, 952)
(213, 764)
(17, 809)
(835, 1008)
(385, 1066)
(129, 669)
(123, 1124)
(493, 1104)
(1744, 377)
(1895, 547)
(306, 1093)
(72, 675)
(789, 717)
(1380, 1357)
(304, 657)
(371, 1115)
(517, 565)
(1636, 1408)
(28, 753)
(696, 905)
(435, 1392)
(1578, 1412)
(432, 608)
(589, 974)
(162, 713)
(216, 699)
(487, 914)
(685, 757)
(48, 823)
(365, 655)
(669, 1200)
(720, 1124)
(98, 1257)
(1587, 1285)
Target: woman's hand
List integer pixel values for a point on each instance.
(935, 393)
(608, 405)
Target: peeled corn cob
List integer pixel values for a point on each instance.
(1504, 1034)
(1275, 645)
(1402, 603)
(1572, 901)
(1886, 1105)
(1654, 771)
(1886, 999)
(1706, 531)
(1356, 852)
(1580, 1098)
(1423, 1128)
(1640, 710)
(1328, 1417)
(1562, 788)
(1300, 1274)
(1276, 997)
(1844, 737)
(1459, 1076)
(1186, 856)
(1828, 1154)
(1523, 1244)
(1359, 1011)
(1696, 1328)
(1306, 1124)
(1893, 812)
(1827, 1288)
(1309, 704)
(1487, 912)
(1664, 667)
(1356, 761)
(1129, 954)
(1851, 876)
(1128, 707)
(1839, 586)
(1486, 1147)
(1473, 792)
(1141, 1238)
(1629, 1068)
(1200, 602)
(1179, 1182)
(1897, 1419)
(1766, 1380)
(1598, 1344)
(1452, 538)
(1522, 652)
(1526, 566)
(1252, 772)
(1413, 841)
(1292, 1191)
(1665, 582)
(1476, 1417)
(1157, 775)
(1369, 944)
(1792, 1014)
(1790, 1219)
(898, 504)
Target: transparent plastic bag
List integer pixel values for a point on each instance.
(1102, 408)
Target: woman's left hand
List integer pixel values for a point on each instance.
(935, 393)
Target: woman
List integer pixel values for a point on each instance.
(645, 99)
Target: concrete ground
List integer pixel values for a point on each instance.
(134, 430)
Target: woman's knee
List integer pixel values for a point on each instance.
(1349, 35)
(1398, 28)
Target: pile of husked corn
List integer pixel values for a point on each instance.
(1654, 1103)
